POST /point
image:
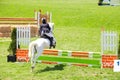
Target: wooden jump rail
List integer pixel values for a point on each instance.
(37, 20)
(18, 21)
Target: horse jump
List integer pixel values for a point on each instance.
(102, 58)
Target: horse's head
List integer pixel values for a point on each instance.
(51, 26)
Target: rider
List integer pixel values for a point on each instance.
(44, 30)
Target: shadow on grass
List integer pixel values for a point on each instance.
(56, 67)
(119, 48)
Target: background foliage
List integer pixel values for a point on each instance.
(12, 46)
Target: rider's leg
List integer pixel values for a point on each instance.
(51, 42)
(54, 42)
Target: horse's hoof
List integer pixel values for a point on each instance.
(54, 46)
(32, 68)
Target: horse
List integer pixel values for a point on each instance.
(38, 47)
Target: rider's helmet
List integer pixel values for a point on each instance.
(43, 20)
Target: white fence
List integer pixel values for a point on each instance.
(109, 41)
(23, 35)
(115, 2)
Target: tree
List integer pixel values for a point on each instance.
(100, 2)
(12, 46)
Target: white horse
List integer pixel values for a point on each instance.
(38, 46)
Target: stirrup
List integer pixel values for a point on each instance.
(54, 46)
(50, 47)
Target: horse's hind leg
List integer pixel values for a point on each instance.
(32, 58)
(39, 52)
(33, 55)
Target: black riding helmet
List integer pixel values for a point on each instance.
(43, 20)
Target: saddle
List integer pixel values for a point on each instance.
(51, 39)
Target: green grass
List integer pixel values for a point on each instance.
(77, 27)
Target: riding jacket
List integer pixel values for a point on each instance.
(44, 29)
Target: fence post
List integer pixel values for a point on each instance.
(109, 41)
(109, 44)
(23, 35)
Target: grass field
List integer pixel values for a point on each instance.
(77, 27)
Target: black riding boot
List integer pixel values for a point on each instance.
(51, 42)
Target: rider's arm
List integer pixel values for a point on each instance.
(49, 27)
(40, 30)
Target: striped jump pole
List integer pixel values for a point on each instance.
(78, 58)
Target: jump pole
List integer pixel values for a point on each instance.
(78, 58)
